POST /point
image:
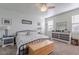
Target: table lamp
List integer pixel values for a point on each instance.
(6, 31)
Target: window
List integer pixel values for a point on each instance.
(75, 23)
(50, 25)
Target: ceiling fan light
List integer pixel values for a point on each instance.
(43, 8)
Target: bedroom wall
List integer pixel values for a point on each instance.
(66, 17)
(16, 21)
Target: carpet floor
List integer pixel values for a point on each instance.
(60, 49)
(65, 49)
(8, 50)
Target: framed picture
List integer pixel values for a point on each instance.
(6, 21)
(26, 21)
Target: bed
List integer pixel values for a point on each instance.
(25, 37)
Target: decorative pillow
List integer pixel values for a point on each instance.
(22, 33)
(28, 33)
(33, 33)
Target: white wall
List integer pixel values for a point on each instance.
(13, 13)
(16, 20)
(67, 16)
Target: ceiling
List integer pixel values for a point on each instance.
(31, 8)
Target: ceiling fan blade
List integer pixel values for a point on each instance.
(50, 7)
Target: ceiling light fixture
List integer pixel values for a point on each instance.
(43, 7)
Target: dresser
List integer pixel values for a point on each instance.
(62, 36)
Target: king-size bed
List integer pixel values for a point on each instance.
(25, 37)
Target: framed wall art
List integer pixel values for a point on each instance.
(6, 21)
(26, 21)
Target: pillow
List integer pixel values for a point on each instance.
(28, 33)
(33, 33)
(22, 33)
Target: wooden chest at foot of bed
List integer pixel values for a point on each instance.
(41, 48)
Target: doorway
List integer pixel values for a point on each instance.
(49, 26)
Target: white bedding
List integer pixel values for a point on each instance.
(22, 39)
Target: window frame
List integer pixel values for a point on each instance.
(74, 23)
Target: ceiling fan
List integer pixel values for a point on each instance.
(45, 6)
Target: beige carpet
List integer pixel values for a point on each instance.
(60, 49)
(9, 50)
(65, 49)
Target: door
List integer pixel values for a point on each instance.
(49, 27)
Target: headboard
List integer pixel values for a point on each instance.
(25, 31)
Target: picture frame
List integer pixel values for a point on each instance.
(6, 21)
(26, 21)
(61, 25)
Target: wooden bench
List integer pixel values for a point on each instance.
(41, 48)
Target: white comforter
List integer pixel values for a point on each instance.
(22, 39)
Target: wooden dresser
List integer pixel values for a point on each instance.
(41, 48)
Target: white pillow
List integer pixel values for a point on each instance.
(22, 33)
(33, 33)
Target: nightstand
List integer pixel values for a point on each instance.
(7, 41)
